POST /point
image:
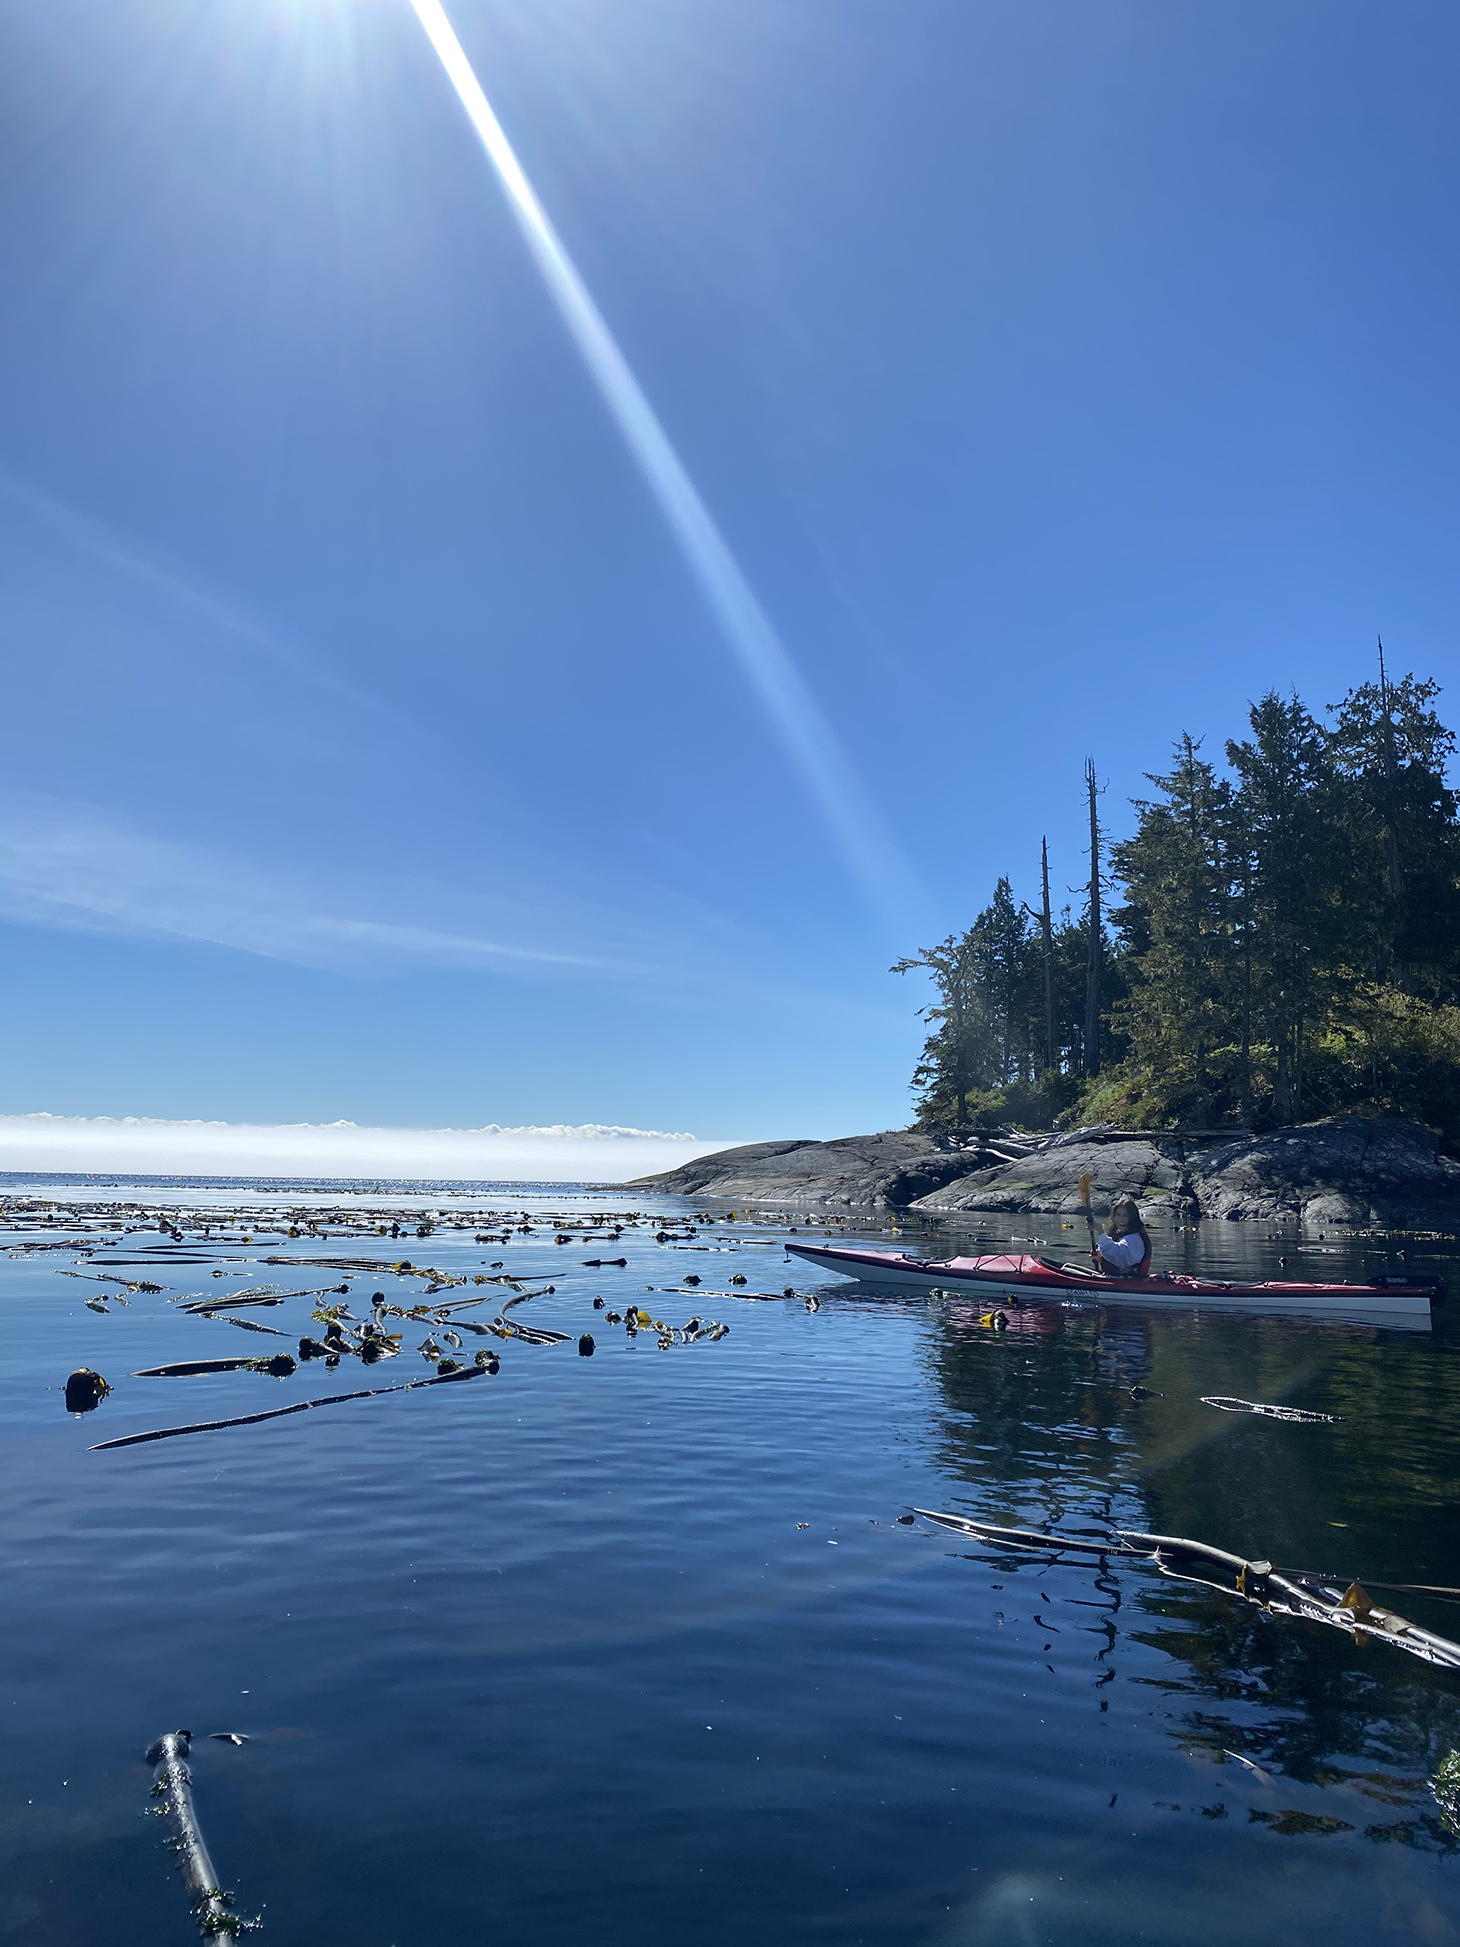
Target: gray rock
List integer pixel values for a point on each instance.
(1152, 1169)
(1343, 1172)
(880, 1172)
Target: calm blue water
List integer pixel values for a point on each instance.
(550, 1656)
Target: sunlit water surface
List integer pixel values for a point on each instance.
(632, 1648)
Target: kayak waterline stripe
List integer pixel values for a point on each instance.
(281, 1412)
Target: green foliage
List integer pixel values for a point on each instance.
(1288, 945)
(985, 1061)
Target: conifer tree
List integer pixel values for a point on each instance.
(1289, 943)
(1177, 869)
(1292, 815)
(1392, 750)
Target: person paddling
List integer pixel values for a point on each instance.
(1124, 1251)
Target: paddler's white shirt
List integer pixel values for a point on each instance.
(1123, 1253)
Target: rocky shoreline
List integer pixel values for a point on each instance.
(1345, 1171)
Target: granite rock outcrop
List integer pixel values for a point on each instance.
(1343, 1172)
(888, 1171)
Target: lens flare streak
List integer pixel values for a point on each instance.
(855, 824)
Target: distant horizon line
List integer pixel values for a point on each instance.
(569, 1131)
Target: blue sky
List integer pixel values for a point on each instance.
(1059, 376)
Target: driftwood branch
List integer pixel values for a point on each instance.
(174, 1786)
(1292, 1592)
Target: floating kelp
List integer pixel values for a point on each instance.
(53, 1244)
(691, 1288)
(207, 1307)
(401, 1268)
(1296, 1413)
(85, 1390)
(691, 1333)
(1257, 1581)
(279, 1412)
(100, 1277)
(280, 1366)
(258, 1294)
(533, 1334)
(212, 1907)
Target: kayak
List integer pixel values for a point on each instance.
(1017, 1278)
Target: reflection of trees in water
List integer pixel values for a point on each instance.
(1304, 1702)
(1033, 1411)
(1040, 1427)
(1373, 1496)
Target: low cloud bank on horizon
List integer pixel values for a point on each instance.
(153, 1146)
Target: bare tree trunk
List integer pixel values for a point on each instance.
(1092, 976)
(1047, 937)
(1391, 765)
(1247, 1017)
(1393, 864)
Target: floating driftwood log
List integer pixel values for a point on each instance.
(212, 1907)
(1285, 1592)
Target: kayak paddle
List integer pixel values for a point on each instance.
(1089, 1215)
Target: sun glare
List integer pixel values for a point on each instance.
(868, 848)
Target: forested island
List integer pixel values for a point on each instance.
(1256, 1012)
(1276, 941)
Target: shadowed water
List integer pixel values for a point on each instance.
(551, 1655)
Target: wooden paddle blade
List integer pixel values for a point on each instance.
(1088, 1212)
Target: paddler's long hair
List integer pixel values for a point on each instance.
(1126, 1212)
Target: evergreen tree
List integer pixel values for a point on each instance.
(1184, 999)
(947, 1070)
(1005, 970)
(1301, 873)
(1392, 749)
(1289, 943)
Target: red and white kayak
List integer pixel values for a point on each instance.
(1020, 1279)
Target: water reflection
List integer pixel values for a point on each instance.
(636, 1644)
(1040, 1428)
